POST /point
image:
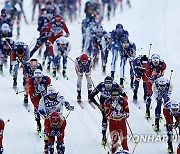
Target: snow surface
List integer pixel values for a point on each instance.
(155, 22)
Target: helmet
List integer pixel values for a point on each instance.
(58, 18)
(38, 73)
(33, 64)
(175, 106)
(84, 58)
(49, 14)
(63, 40)
(144, 59)
(20, 51)
(108, 35)
(108, 82)
(155, 58)
(5, 28)
(99, 30)
(51, 91)
(162, 82)
(55, 118)
(119, 26)
(3, 13)
(108, 79)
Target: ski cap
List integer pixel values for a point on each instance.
(175, 106)
(51, 91)
(84, 58)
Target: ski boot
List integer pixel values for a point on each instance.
(14, 82)
(104, 69)
(112, 74)
(54, 72)
(25, 100)
(46, 144)
(89, 99)
(121, 82)
(104, 139)
(64, 73)
(156, 127)
(135, 96)
(79, 97)
(1, 69)
(48, 69)
(147, 115)
(170, 149)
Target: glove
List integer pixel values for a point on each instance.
(177, 124)
(70, 108)
(62, 53)
(1, 149)
(125, 115)
(67, 35)
(41, 88)
(34, 95)
(55, 133)
(42, 113)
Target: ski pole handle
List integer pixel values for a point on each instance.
(149, 50)
(8, 120)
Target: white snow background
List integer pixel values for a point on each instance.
(148, 21)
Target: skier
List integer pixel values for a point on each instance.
(96, 41)
(44, 19)
(117, 35)
(172, 110)
(19, 55)
(2, 124)
(83, 65)
(55, 30)
(117, 111)
(61, 48)
(28, 72)
(155, 68)
(5, 45)
(52, 102)
(37, 88)
(105, 89)
(139, 70)
(55, 128)
(127, 51)
(162, 89)
(106, 47)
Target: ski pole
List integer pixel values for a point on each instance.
(170, 75)
(18, 92)
(71, 59)
(8, 120)
(68, 113)
(139, 49)
(136, 142)
(149, 50)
